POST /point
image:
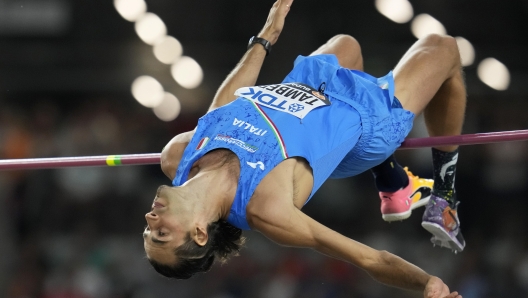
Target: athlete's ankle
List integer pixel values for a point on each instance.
(448, 195)
(444, 167)
(390, 176)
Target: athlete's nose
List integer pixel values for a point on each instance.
(151, 218)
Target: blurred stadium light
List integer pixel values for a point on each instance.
(131, 10)
(399, 11)
(187, 72)
(150, 28)
(424, 24)
(147, 91)
(169, 108)
(168, 50)
(494, 74)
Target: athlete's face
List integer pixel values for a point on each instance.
(167, 226)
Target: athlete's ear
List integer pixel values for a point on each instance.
(200, 236)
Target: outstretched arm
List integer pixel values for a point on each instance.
(289, 226)
(247, 70)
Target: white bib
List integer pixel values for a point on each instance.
(296, 99)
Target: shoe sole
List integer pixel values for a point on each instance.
(404, 215)
(441, 234)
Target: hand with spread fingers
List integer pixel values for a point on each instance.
(275, 22)
(436, 288)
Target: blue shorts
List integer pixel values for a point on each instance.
(385, 123)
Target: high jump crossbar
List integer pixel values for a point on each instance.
(154, 158)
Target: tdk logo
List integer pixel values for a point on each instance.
(296, 99)
(269, 99)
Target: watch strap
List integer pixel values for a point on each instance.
(266, 44)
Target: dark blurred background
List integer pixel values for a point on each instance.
(66, 71)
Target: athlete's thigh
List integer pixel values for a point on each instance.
(422, 70)
(345, 48)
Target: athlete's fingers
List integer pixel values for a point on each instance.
(275, 22)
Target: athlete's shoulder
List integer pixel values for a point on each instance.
(173, 152)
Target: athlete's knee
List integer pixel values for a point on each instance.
(345, 41)
(445, 47)
(445, 43)
(347, 50)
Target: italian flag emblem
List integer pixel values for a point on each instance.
(202, 143)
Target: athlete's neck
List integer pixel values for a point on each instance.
(212, 188)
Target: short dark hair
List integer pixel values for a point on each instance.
(224, 240)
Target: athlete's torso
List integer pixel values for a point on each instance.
(263, 138)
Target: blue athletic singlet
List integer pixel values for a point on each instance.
(355, 126)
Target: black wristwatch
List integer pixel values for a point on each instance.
(266, 44)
